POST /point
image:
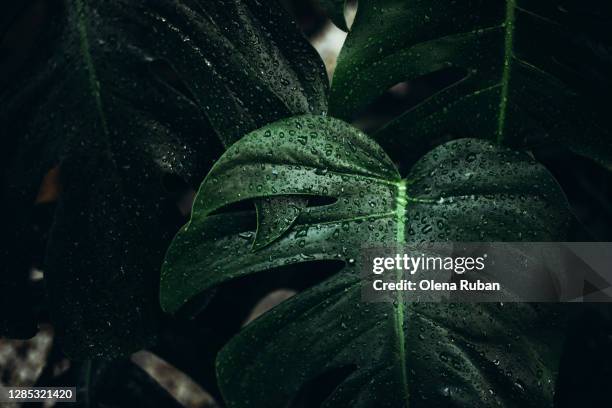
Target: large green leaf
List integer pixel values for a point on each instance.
(134, 93)
(389, 354)
(536, 72)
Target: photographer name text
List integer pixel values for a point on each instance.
(403, 264)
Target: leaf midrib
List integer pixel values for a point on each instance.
(509, 27)
(398, 326)
(508, 55)
(92, 77)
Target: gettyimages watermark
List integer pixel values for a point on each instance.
(471, 272)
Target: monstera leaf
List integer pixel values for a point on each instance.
(534, 73)
(134, 93)
(375, 354)
(335, 10)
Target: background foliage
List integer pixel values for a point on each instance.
(113, 112)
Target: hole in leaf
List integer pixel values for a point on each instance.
(404, 96)
(268, 302)
(248, 205)
(315, 391)
(307, 274)
(239, 206)
(231, 304)
(320, 201)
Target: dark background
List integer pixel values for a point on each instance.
(189, 347)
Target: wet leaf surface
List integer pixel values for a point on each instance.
(132, 92)
(536, 73)
(383, 354)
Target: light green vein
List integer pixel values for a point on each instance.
(400, 211)
(94, 85)
(508, 55)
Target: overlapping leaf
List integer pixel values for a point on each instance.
(335, 10)
(135, 92)
(389, 354)
(535, 73)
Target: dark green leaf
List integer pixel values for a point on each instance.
(390, 354)
(136, 92)
(274, 216)
(335, 11)
(536, 73)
